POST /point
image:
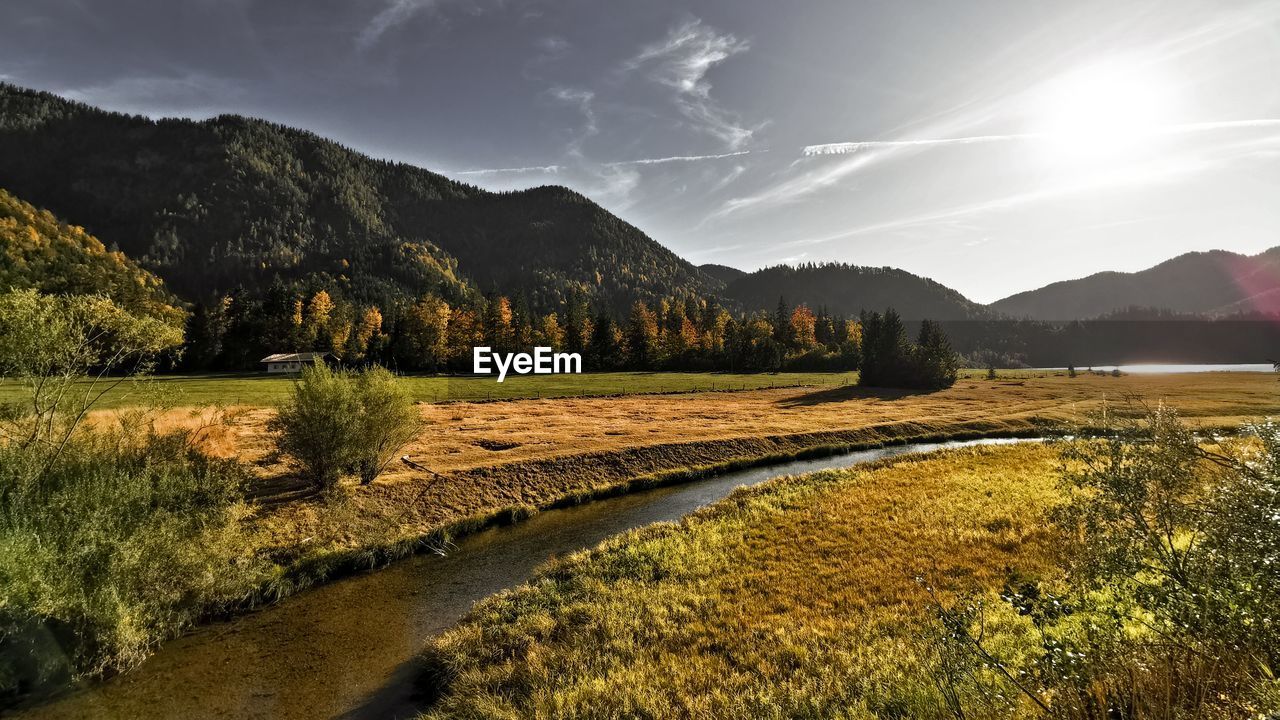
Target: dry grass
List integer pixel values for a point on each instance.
(792, 599)
(534, 453)
(463, 436)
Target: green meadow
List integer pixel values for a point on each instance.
(261, 389)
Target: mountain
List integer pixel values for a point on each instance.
(39, 251)
(231, 201)
(1203, 283)
(847, 289)
(723, 273)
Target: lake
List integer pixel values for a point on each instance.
(1170, 369)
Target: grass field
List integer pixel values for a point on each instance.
(793, 599)
(531, 453)
(262, 390)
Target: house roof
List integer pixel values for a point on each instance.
(295, 357)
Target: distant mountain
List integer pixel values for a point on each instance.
(40, 252)
(848, 289)
(1203, 283)
(227, 202)
(723, 273)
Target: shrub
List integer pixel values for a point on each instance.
(113, 536)
(1170, 606)
(316, 426)
(117, 543)
(386, 421)
(339, 421)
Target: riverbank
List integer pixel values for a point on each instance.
(349, 648)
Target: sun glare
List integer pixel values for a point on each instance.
(1107, 110)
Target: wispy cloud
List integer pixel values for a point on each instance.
(396, 13)
(1160, 171)
(590, 128)
(862, 154)
(681, 62)
(190, 95)
(553, 45)
(845, 148)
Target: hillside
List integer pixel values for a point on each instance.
(227, 202)
(39, 251)
(848, 289)
(723, 273)
(1205, 283)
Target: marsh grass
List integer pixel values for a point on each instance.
(793, 599)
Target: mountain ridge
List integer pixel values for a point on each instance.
(215, 204)
(845, 289)
(1212, 283)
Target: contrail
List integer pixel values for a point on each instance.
(845, 148)
(618, 163)
(497, 171)
(683, 158)
(848, 148)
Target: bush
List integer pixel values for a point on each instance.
(339, 422)
(1170, 606)
(316, 426)
(385, 422)
(114, 544)
(113, 536)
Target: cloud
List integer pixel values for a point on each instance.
(1163, 171)
(583, 99)
(553, 45)
(681, 62)
(396, 13)
(846, 148)
(862, 154)
(190, 95)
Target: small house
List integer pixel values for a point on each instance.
(293, 362)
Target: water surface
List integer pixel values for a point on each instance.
(1171, 369)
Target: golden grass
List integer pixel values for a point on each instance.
(564, 448)
(462, 436)
(792, 599)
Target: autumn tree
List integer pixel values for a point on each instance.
(803, 324)
(643, 337)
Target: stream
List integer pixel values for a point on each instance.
(346, 649)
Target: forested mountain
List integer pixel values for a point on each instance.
(211, 206)
(1215, 283)
(39, 251)
(723, 273)
(849, 289)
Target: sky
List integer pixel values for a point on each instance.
(992, 145)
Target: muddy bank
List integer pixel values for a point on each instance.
(316, 538)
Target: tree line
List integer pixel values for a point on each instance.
(692, 333)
